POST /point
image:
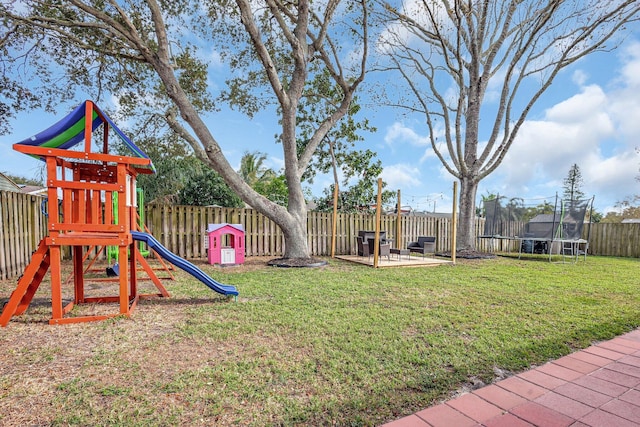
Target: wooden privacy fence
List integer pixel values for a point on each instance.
(182, 229)
(621, 240)
(23, 225)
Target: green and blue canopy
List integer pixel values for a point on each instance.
(69, 132)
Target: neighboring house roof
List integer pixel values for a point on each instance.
(543, 218)
(430, 214)
(438, 214)
(34, 189)
(7, 184)
(553, 218)
(631, 221)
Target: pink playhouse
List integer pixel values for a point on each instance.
(226, 244)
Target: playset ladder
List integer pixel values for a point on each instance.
(27, 284)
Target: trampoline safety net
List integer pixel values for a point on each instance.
(513, 218)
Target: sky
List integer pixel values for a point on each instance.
(590, 117)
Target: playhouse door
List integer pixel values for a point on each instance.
(228, 256)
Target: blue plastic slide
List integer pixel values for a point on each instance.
(183, 264)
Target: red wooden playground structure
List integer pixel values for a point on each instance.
(84, 217)
(82, 189)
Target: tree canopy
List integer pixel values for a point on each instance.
(360, 170)
(627, 209)
(208, 189)
(153, 58)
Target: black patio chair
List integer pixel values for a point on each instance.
(424, 245)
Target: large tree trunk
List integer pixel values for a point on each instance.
(467, 223)
(295, 236)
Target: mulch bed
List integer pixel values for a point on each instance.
(297, 262)
(468, 254)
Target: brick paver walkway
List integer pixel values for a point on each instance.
(597, 387)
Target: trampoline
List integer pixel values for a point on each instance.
(540, 228)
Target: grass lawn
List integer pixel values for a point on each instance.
(340, 345)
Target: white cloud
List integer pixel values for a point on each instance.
(580, 77)
(391, 37)
(402, 176)
(625, 106)
(276, 163)
(398, 134)
(215, 59)
(570, 132)
(631, 70)
(396, 34)
(494, 87)
(427, 155)
(579, 108)
(594, 129)
(615, 172)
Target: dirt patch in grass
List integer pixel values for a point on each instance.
(250, 264)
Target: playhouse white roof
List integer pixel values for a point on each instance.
(214, 227)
